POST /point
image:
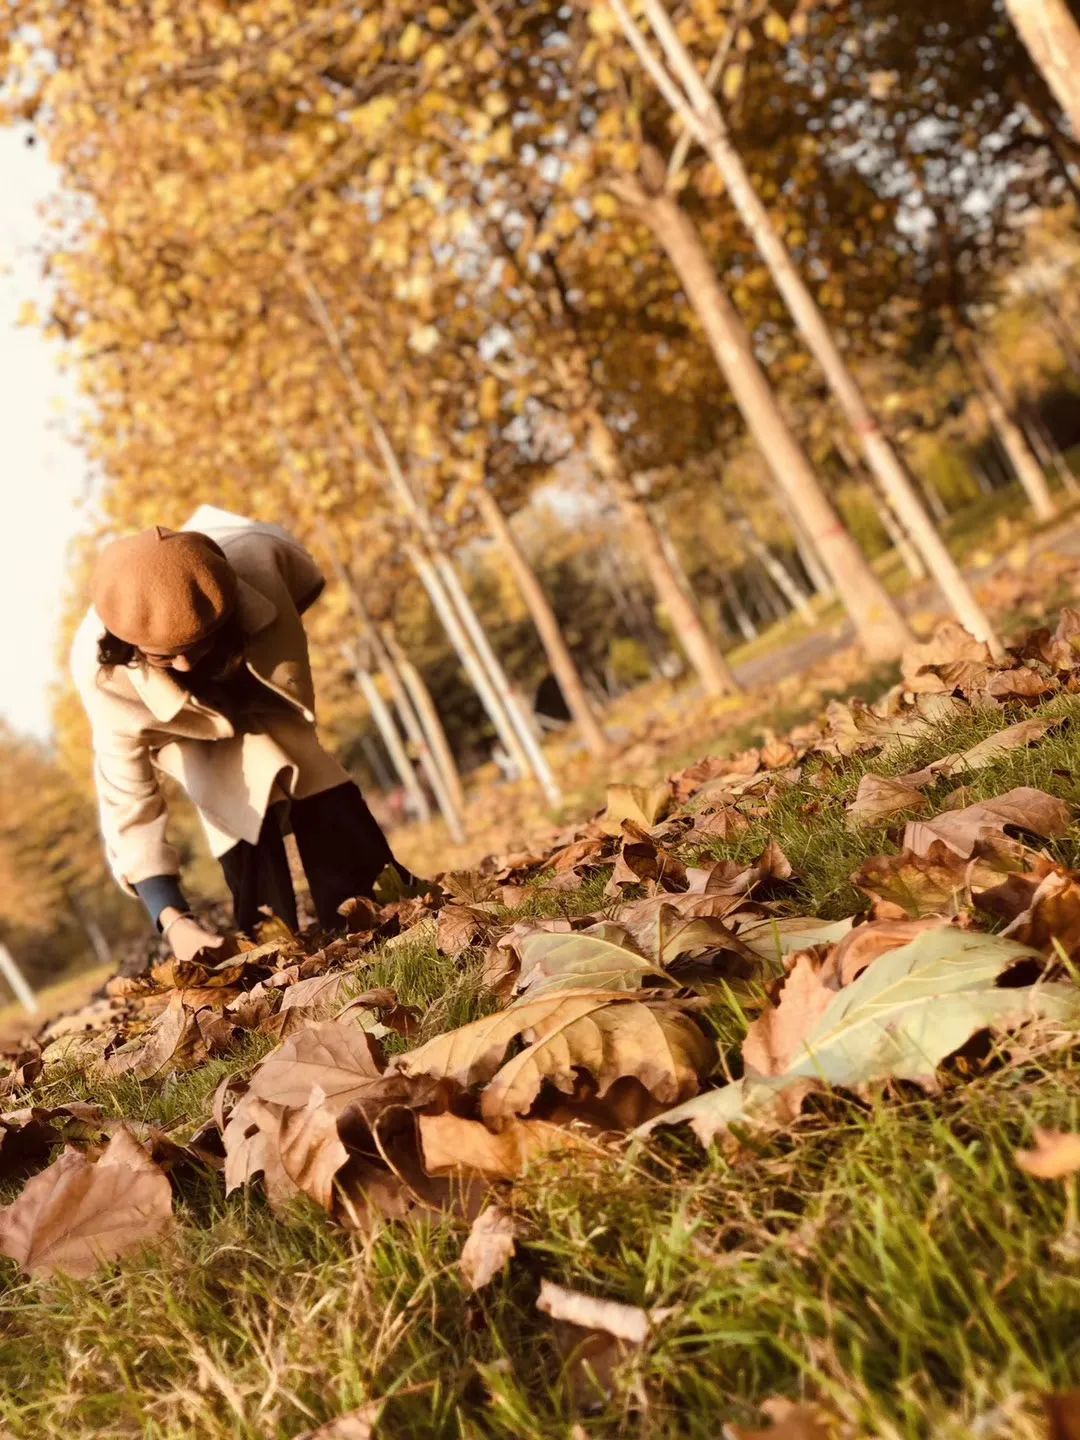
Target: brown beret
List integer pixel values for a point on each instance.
(163, 590)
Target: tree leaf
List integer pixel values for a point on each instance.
(878, 797)
(767, 1102)
(1025, 809)
(598, 958)
(340, 1059)
(629, 1323)
(78, 1214)
(918, 1004)
(490, 1245)
(452, 1145)
(645, 805)
(603, 1033)
(356, 1425)
(773, 939)
(1055, 1156)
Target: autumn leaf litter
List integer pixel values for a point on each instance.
(600, 1029)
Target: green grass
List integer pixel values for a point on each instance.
(889, 1258)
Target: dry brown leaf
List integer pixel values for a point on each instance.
(175, 1041)
(1056, 1155)
(645, 805)
(629, 1323)
(77, 1215)
(340, 1059)
(606, 1034)
(878, 797)
(949, 644)
(490, 1245)
(462, 926)
(941, 882)
(1023, 809)
(1063, 1415)
(1020, 684)
(788, 1421)
(451, 1145)
(776, 1037)
(1051, 917)
(356, 1425)
(310, 1149)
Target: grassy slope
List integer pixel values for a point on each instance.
(892, 1259)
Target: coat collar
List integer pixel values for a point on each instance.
(161, 694)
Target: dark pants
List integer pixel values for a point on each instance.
(341, 847)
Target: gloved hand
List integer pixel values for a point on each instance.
(187, 938)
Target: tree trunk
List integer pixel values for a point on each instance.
(1052, 38)
(697, 108)
(909, 556)
(410, 722)
(878, 625)
(809, 557)
(995, 402)
(747, 629)
(428, 715)
(90, 928)
(1063, 334)
(384, 723)
(466, 651)
(682, 610)
(563, 665)
(795, 596)
(1049, 451)
(527, 737)
(384, 778)
(630, 606)
(20, 987)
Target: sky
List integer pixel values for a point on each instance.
(42, 476)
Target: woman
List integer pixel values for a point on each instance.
(193, 662)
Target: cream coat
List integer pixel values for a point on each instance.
(144, 724)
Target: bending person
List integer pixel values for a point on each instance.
(193, 662)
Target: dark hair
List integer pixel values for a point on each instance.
(112, 652)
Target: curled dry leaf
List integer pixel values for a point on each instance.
(1055, 1156)
(605, 1034)
(340, 1059)
(462, 926)
(879, 797)
(918, 1004)
(78, 1214)
(1051, 918)
(174, 1042)
(766, 1103)
(490, 1245)
(788, 1421)
(451, 1145)
(629, 1323)
(645, 805)
(600, 957)
(1030, 811)
(356, 1425)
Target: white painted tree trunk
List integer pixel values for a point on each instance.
(1052, 39)
(995, 401)
(428, 716)
(693, 101)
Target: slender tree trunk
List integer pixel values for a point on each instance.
(633, 610)
(880, 629)
(982, 478)
(1052, 38)
(563, 665)
(1063, 334)
(410, 721)
(384, 778)
(466, 651)
(995, 402)
(428, 715)
(695, 104)
(747, 629)
(478, 635)
(384, 723)
(437, 574)
(811, 562)
(1049, 451)
(90, 928)
(909, 556)
(682, 610)
(20, 986)
(795, 596)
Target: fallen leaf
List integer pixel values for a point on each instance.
(788, 1421)
(603, 1033)
(341, 1060)
(462, 926)
(915, 1006)
(311, 1150)
(600, 957)
(175, 1041)
(762, 1103)
(939, 882)
(1063, 1415)
(490, 1245)
(1051, 917)
(1055, 1156)
(645, 805)
(356, 1425)
(629, 1323)
(949, 643)
(78, 1214)
(451, 1145)
(1030, 811)
(878, 797)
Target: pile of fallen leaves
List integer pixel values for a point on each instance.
(598, 1026)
